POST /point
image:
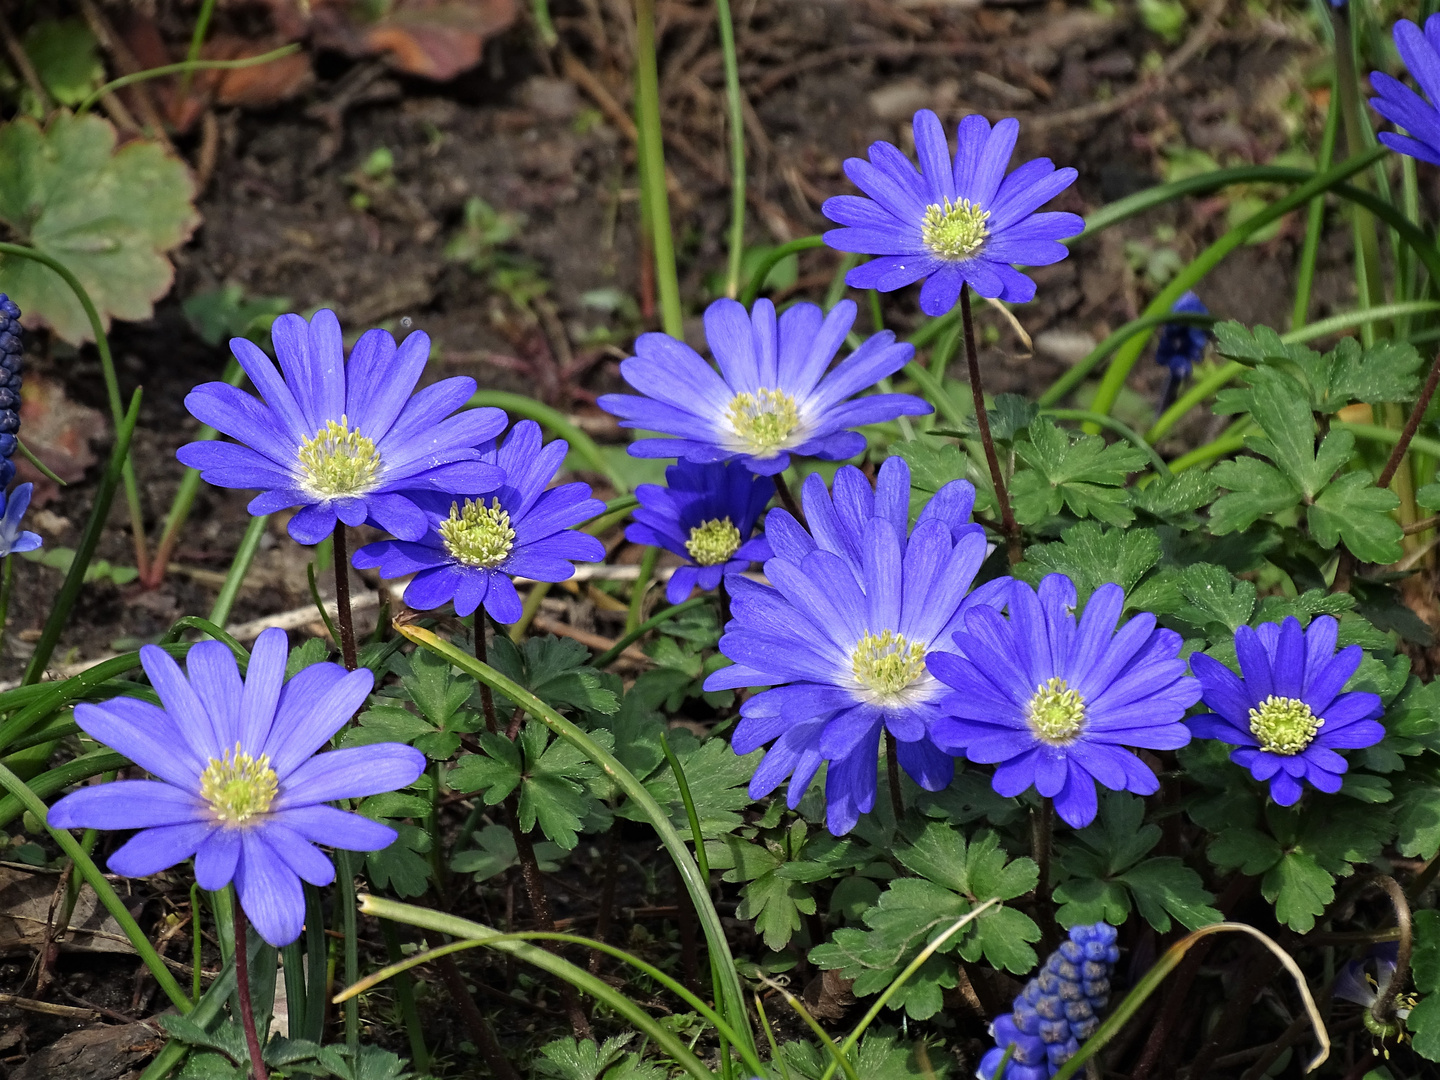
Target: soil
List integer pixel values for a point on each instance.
(291, 211)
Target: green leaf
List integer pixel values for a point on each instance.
(494, 774)
(575, 1059)
(1425, 959)
(108, 216)
(1166, 887)
(65, 56)
(1354, 509)
(1247, 850)
(933, 463)
(494, 853)
(1092, 556)
(1417, 820)
(775, 904)
(552, 793)
(719, 785)
(1300, 890)
(1429, 496)
(1083, 473)
(1424, 1024)
(557, 671)
(1258, 346)
(1091, 899)
(1173, 498)
(1256, 488)
(402, 867)
(1213, 599)
(1386, 371)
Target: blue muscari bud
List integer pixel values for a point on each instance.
(12, 363)
(1179, 346)
(1057, 1010)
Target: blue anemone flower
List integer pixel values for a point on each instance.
(856, 604)
(1399, 104)
(1285, 711)
(472, 548)
(238, 782)
(14, 539)
(952, 222)
(706, 515)
(1054, 703)
(342, 439)
(771, 397)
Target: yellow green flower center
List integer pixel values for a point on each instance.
(1284, 725)
(713, 542)
(886, 663)
(238, 787)
(764, 420)
(1056, 714)
(338, 462)
(954, 230)
(478, 535)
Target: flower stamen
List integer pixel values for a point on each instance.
(1284, 726)
(713, 542)
(1056, 713)
(954, 230)
(338, 462)
(478, 535)
(763, 421)
(885, 664)
(238, 787)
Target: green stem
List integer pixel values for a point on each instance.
(735, 114)
(546, 26)
(772, 259)
(556, 421)
(732, 1003)
(7, 585)
(608, 656)
(1386, 436)
(1126, 357)
(1209, 452)
(346, 881)
(531, 608)
(652, 168)
(106, 893)
(89, 541)
(405, 997)
(1315, 222)
(112, 391)
(197, 42)
(185, 67)
(1367, 254)
(53, 781)
(239, 567)
(642, 586)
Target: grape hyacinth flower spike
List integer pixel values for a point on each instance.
(1058, 1009)
(954, 221)
(1054, 704)
(1420, 49)
(1179, 346)
(238, 780)
(473, 548)
(1285, 711)
(855, 605)
(706, 514)
(771, 397)
(13, 539)
(12, 366)
(343, 440)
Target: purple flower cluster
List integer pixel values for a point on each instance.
(12, 367)
(1058, 1009)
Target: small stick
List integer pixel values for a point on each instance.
(242, 988)
(982, 419)
(1411, 426)
(788, 500)
(343, 616)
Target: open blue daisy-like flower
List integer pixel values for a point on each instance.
(1399, 104)
(238, 782)
(842, 635)
(1054, 703)
(706, 515)
(952, 222)
(1285, 712)
(342, 440)
(472, 548)
(14, 539)
(771, 397)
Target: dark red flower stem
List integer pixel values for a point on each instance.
(1411, 426)
(487, 696)
(788, 500)
(982, 420)
(343, 617)
(242, 987)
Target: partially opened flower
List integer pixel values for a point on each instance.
(342, 440)
(1285, 711)
(238, 782)
(1399, 104)
(771, 397)
(952, 222)
(1179, 346)
(472, 548)
(1054, 704)
(842, 633)
(706, 515)
(1363, 981)
(14, 539)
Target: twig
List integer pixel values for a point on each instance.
(1417, 414)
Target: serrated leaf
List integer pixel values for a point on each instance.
(1247, 850)
(401, 867)
(1424, 1025)
(775, 904)
(1091, 556)
(1258, 346)
(435, 687)
(1280, 406)
(1166, 887)
(557, 671)
(1300, 890)
(1174, 498)
(108, 216)
(1080, 470)
(494, 853)
(580, 1059)
(65, 57)
(1214, 595)
(933, 463)
(1256, 488)
(1352, 508)
(719, 785)
(1429, 496)
(1386, 371)
(1425, 959)
(1001, 936)
(494, 774)
(1417, 821)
